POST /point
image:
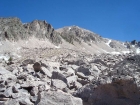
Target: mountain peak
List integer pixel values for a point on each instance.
(76, 33)
(13, 29)
(73, 28)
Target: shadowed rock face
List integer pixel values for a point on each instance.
(119, 92)
(129, 66)
(42, 30)
(13, 29)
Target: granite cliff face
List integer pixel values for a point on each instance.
(42, 30)
(82, 36)
(69, 66)
(75, 33)
(13, 29)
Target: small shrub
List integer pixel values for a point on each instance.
(10, 59)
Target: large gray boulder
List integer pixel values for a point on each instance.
(47, 72)
(119, 92)
(84, 92)
(86, 71)
(57, 75)
(3, 71)
(59, 84)
(58, 98)
(11, 102)
(5, 74)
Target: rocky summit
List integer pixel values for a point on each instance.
(40, 65)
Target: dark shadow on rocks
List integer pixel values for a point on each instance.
(128, 66)
(28, 88)
(119, 92)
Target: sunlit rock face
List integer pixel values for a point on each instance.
(75, 33)
(42, 30)
(13, 29)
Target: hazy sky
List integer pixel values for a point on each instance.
(116, 19)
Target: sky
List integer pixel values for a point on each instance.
(115, 19)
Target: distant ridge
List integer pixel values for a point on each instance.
(12, 29)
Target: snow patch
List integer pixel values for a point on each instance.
(138, 50)
(124, 45)
(4, 57)
(108, 43)
(115, 52)
(69, 28)
(125, 52)
(18, 48)
(57, 46)
(16, 55)
(25, 23)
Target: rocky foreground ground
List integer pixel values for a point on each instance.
(55, 76)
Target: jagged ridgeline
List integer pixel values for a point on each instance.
(75, 33)
(13, 29)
